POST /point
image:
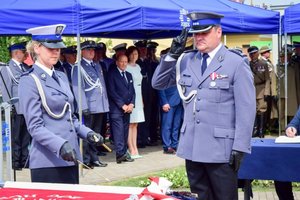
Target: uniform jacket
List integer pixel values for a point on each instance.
(49, 134)
(95, 100)
(120, 93)
(11, 86)
(169, 96)
(220, 118)
(261, 78)
(273, 76)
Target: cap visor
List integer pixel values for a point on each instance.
(203, 30)
(54, 45)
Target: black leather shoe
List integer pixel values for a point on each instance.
(99, 164)
(88, 166)
(124, 158)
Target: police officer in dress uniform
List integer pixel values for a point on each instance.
(217, 89)
(70, 54)
(9, 82)
(260, 72)
(93, 97)
(47, 104)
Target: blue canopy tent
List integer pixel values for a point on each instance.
(18, 15)
(139, 19)
(143, 19)
(291, 20)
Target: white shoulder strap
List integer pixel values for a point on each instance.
(44, 101)
(193, 93)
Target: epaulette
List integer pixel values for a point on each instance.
(238, 52)
(3, 64)
(27, 72)
(190, 50)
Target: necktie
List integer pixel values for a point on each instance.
(22, 67)
(54, 76)
(204, 62)
(124, 77)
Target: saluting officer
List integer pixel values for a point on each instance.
(218, 94)
(47, 103)
(93, 98)
(262, 86)
(9, 82)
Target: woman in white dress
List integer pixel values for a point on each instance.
(137, 114)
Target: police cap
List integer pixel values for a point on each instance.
(252, 49)
(89, 44)
(141, 44)
(119, 47)
(152, 45)
(48, 36)
(17, 46)
(101, 45)
(203, 21)
(70, 50)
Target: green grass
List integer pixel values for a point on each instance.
(179, 179)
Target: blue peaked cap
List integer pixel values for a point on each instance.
(203, 21)
(49, 36)
(17, 46)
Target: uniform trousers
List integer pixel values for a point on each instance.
(93, 121)
(284, 190)
(68, 174)
(212, 181)
(20, 141)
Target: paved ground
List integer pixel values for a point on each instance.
(153, 160)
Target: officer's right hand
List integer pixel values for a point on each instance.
(178, 44)
(94, 138)
(67, 153)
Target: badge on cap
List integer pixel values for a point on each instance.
(59, 30)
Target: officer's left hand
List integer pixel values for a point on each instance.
(94, 138)
(235, 159)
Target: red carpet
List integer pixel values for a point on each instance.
(32, 194)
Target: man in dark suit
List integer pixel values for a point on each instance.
(121, 102)
(171, 117)
(9, 85)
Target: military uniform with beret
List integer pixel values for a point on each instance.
(219, 109)
(261, 75)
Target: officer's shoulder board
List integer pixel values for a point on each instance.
(27, 72)
(237, 52)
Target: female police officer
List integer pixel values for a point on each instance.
(47, 103)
